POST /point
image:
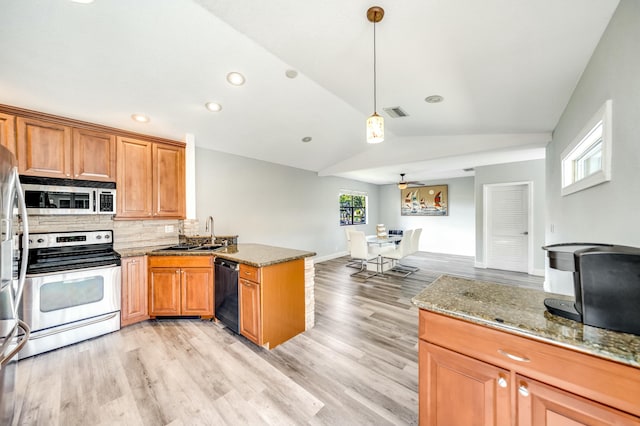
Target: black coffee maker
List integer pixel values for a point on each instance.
(606, 280)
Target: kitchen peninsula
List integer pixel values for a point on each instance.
(495, 346)
(275, 287)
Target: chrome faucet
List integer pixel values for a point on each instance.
(208, 226)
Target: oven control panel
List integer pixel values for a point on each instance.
(65, 239)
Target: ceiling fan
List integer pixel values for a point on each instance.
(403, 184)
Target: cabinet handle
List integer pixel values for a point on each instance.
(513, 357)
(523, 390)
(502, 382)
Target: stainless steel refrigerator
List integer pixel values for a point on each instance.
(14, 333)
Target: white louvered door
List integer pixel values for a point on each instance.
(507, 209)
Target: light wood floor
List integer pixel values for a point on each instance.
(357, 366)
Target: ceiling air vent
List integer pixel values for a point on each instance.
(395, 112)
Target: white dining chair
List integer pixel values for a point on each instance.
(351, 263)
(401, 251)
(415, 240)
(360, 253)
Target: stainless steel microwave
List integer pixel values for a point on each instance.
(63, 197)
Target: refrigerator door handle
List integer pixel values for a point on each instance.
(25, 337)
(24, 256)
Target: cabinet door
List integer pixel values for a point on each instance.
(134, 291)
(250, 310)
(168, 181)
(164, 291)
(7, 132)
(94, 155)
(44, 149)
(544, 405)
(197, 291)
(458, 390)
(134, 179)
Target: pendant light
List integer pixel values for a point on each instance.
(375, 123)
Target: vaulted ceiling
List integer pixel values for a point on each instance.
(506, 70)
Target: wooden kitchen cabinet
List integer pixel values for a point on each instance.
(135, 178)
(547, 384)
(151, 180)
(50, 149)
(169, 200)
(94, 155)
(8, 132)
(249, 297)
(454, 378)
(181, 285)
(540, 404)
(44, 148)
(272, 302)
(135, 307)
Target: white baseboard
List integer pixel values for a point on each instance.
(330, 256)
(538, 272)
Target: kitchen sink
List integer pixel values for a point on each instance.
(191, 247)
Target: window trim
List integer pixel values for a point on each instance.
(581, 145)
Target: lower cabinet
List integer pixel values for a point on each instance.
(134, 306)
(459, 390)
(181, 286)
(272, 302)
(540, 404)
(473, 375)
(250, 310)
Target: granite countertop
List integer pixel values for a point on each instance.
(521, 311)
(257, 255)
(260, 255)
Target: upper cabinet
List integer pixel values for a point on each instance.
(135, 178)
(44, 148)
(94, 155)
(149, 171)
(168, 181)
(151, 180)
(7, 132)
(50, 149)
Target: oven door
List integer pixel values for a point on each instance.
(51, 300)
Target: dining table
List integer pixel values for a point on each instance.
(382, 245)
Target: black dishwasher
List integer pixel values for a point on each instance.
(226, 293)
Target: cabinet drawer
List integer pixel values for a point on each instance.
(250, 273)
(180, 261)
(595, 378)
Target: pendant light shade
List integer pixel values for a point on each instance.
(375, 123)
(375, 129)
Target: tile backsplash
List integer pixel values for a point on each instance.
(126, 233)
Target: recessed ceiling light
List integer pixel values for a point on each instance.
(433, 99)
(307, 139)
(82, 1)
(291, 73)
(213, 106)
(235, 78)
(140, 118)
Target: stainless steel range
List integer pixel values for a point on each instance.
(72, 290)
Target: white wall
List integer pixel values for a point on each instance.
(452, 234)
(271, 204)
(607, 213)
(524, 171)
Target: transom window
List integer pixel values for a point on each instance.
(587, 161)
(353, 208)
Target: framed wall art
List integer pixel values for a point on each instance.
(425, 201)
